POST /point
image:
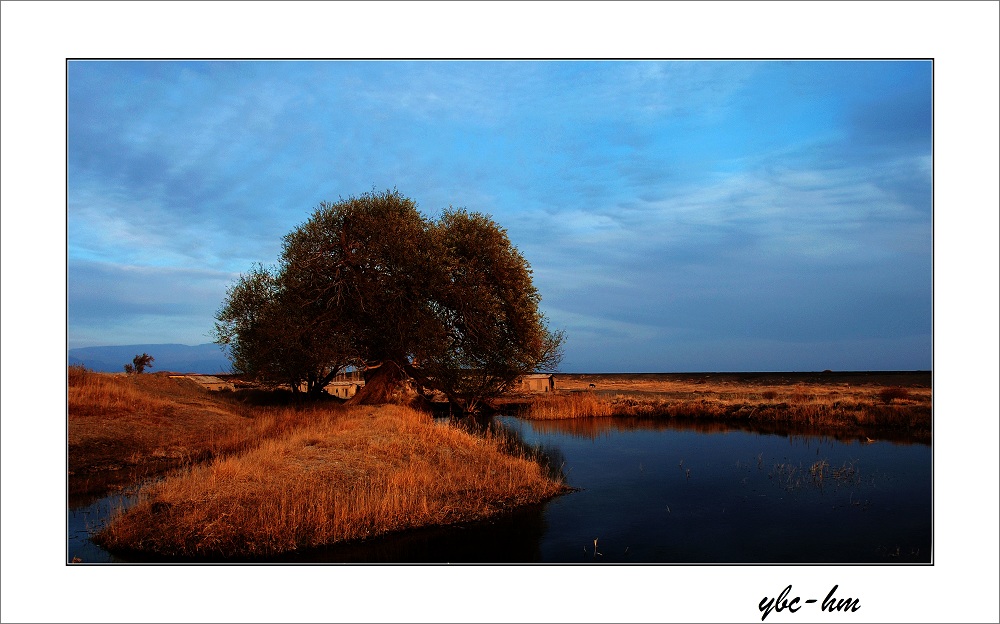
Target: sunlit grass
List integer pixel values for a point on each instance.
(807, 404)
(118, 424)
(572, 405)
(348, 474)
(254, 481)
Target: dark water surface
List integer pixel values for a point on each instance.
(675, 495)
(84, 518)
(653, 492)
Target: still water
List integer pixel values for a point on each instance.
(84, 518)
(651, 492)
(686, 495)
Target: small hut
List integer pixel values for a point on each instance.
(537, 383)
(340, 388)
(344, 389)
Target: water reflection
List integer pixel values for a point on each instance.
(594, 428)
(548, 456)
(655, 491)
(511, 538)
(87, 516)
(673, 492)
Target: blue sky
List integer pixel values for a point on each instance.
(678, 215)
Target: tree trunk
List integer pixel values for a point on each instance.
(454, 400)
(317, 385)
(383, 384)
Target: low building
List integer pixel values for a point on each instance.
(537, 382)
(344, 389)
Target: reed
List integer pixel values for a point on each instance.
(573, 405)
(888, 395)
(834, 406)
(348, 474)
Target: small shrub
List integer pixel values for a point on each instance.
(76, 373)
(140, 363)
(888, 395)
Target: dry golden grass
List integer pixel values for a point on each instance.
(121, 428)
(573, 405)
(117, 422)
(258, 481)
(350, 473)
(815, 404)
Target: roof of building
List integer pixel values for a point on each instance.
(537, 376)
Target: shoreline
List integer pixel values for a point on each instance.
(124, 429)
(258, 481)
(868, 403)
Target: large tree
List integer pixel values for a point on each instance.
(449, 304)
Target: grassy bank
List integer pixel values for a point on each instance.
(124, 428)
(351, 473)
(816, 404)
(251, 481)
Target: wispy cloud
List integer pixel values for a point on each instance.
(141, 304)
(675, 201)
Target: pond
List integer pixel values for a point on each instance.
(86, 515)
(658, 493)
(654, 492)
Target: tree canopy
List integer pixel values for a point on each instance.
(273, 337)
(371, 283)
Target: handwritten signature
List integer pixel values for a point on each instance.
(831, 603)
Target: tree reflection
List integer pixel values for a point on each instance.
(595, 428)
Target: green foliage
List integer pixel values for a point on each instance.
(369, 280)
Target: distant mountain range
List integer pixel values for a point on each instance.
(204, 358)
